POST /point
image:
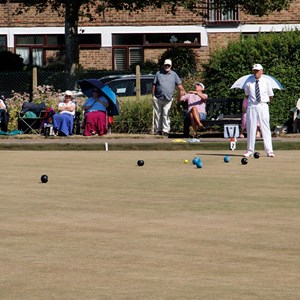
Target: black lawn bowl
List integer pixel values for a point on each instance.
(44, 178)
(256, 155)
(244, 161)
(140, 162)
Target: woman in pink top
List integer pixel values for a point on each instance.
(196, 101)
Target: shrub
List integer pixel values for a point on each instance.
(147, 67)
(183, 60)
(55, 67)
(10, 62)
(279, 53)
(136, 116)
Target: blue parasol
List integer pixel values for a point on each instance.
(87, 86)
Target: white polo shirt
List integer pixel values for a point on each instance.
(264, 87)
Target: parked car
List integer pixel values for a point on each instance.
(126, 86)
(108, 78)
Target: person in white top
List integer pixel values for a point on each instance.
(63, 120)
(259, 93)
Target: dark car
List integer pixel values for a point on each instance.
(108, 78)
(126, 86)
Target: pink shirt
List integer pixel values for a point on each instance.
(194, 100)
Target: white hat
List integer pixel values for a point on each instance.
(168, 62)
(199, 83)
(257, 67)
(69, 93)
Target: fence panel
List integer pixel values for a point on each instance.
(21, 82)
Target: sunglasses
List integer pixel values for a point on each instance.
(95, 91)
(167, 66)
(69, 96)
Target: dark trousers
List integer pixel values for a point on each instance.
(3, 119)
(186, 126)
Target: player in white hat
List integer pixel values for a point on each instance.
(259, 94)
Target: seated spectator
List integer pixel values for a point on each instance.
(95, 115)
(3, 116)
(196, 101)
(63, 120)
(295, 114)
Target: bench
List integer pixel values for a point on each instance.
(219, 112)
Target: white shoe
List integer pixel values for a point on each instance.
(271, 154)
(248, 154)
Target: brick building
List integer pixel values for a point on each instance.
(115, 40)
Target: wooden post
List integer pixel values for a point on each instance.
(138, 82)
(34, 80)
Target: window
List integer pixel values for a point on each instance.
(172, 38)
(246, 35)
(127, 39)
(135, 55)
(217, 15)
(32, 48)
(120, 58)
(31, 56)
(57, 39)
(90, 40)
(253, 35)
(126, 56)
(30, 40)
(128, 49)
(85, 40)
(3, 43)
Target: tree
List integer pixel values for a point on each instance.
(199, 7)
(71, 10)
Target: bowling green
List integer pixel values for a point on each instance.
(105, 228)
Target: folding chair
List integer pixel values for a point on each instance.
(30, 117)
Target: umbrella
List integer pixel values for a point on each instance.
(87, 86)
(241, 82)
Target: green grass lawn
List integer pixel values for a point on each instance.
(104, 228)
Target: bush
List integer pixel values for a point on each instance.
(279, 53)
(136, 116)
(10, 62)
(55, 67)
(147, 67)
(183, 60)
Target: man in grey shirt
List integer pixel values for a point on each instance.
(163, 88)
